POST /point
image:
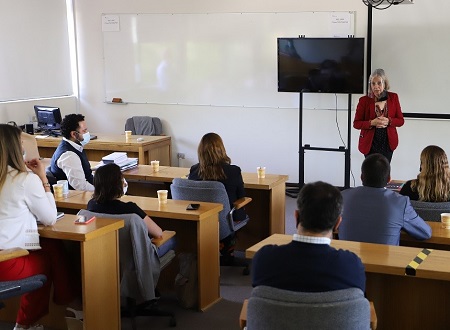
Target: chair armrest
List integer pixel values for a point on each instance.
(243, 316)
(166, 235)
(373, 317)
(241, 202)
(12, 253)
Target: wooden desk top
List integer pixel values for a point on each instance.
(103, 140)
(379, 258)
(175, 209)
(66, 229)
(167, 174)
(12, 253)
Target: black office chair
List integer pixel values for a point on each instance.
(213, 192)
(140, 268)
(15, 288)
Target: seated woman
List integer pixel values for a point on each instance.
(433, 181)
(110, 185)
(215, 165)
(25, 198)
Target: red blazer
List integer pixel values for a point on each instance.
(365, 111)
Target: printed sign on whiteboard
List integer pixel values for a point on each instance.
(341, 24)
(110, 23)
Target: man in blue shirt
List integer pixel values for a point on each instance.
(374, 214)
(309, 263)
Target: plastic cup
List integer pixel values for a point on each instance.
(127, 135)
(58, 190)
(65, 185)
(155, 165)
(261, 172)
(162, 196)
(445, 220)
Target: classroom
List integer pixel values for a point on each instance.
(409, 41)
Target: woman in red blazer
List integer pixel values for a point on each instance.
(378, 115)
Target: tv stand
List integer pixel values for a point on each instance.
(295, 188)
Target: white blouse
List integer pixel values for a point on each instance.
(23, 202)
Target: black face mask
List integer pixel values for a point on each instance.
(383, 96)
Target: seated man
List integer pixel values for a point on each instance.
(375, 214)
(309, 263)
(69, 162)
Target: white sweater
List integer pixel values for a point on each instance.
(23, 201)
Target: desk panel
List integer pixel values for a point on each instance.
(151, 148)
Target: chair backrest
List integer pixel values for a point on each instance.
(30, 146)
(205, 191)
(271, 308)
(144, 125)
(430, 211)
(138, 257)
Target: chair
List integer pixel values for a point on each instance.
(271, 308)
(140, 267)
(213, 192)
(430, 211)
(144, 125)
(15, 288)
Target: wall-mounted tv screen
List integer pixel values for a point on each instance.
(321, 65)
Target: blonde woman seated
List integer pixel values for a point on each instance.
(433, 181)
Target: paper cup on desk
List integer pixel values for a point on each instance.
(445, 220)
(65, 185)
(261, 172)
(58, 190)
(162, 196)
(127, 135)
(155, 165)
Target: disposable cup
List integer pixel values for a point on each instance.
(445, 220)
(155, 165)
(127, 135)
(162, 196)
(65, 185)
(261, 172)
(58, 190)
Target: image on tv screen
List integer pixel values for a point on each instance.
(321, 65)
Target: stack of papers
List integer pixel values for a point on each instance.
(119, 158)
(115, 157)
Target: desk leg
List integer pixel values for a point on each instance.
(278, 209)
(208, 261)
(100, 280)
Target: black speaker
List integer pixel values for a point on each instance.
(29, 128)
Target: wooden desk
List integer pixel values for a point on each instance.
(440, 238)
(401, 302)
(266, 211)
(151, 148)
(197, 232)
(99, 272)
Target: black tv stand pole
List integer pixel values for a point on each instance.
(293, 191)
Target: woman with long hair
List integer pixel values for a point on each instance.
(215, 165)
(433, 181)
(25, 198)
(378, 114)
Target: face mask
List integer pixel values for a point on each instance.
(86, 138)
(125, 187)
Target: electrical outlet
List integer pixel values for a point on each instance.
(180, 155)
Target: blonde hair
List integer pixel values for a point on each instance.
(211, 156)
(378, 73)
(433, 181)
(10, 151)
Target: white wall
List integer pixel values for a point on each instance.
(258, 136)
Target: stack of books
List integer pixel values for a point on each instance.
(121, 159)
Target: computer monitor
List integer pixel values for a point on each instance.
(48, 118)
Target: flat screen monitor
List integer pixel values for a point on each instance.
(48, 118)
(321, 65)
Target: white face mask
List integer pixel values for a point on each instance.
(86, 138)
(125, 187)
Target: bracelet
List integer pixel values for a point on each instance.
(46, 184)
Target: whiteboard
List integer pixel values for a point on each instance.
(220, 59)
